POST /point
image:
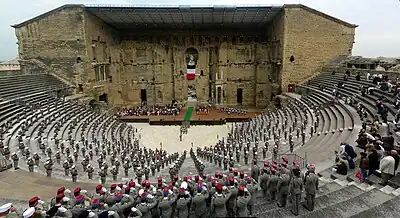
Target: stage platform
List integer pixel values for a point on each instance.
(215, 117)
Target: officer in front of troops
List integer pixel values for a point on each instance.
(74, 173)
(199, 205)
(283, 187)
(15, 159)
(31, 164)
(295, 189)
(114, 172)
(90, 171)
(49, 167)
(103, 174)
(218, 202)
(310, 188)
(242, 202)
(66, 167)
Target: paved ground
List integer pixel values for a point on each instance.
(152, 136)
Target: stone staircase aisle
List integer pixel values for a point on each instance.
(338, 198)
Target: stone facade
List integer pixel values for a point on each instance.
(313, 40)
(99, 59)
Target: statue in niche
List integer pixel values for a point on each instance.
(191, 61)
(192, 56)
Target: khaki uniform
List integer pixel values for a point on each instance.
(165, 206)
(182, 210)
(242, 203)
(310, 188)
(218, 205)
(295, 188)
(283, 189)
(199, 205)
(271, 186)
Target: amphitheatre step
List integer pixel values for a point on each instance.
(325, 189)
(321, 202)
(387, 209)
(354, 205)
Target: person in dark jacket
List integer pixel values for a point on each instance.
(373, 160)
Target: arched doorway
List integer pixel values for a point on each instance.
(191, 57)
(103, 98)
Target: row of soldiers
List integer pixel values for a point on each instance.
(221, 195)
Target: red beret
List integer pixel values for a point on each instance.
(143, 195)
(241, 172)
(171, 187)
(132, 184)
(143, 182)
(33, 200)
(219, 187)
(189, 178)
(60, 190)
(59, 197)
(99, 187)
(160, 178)
(241, 188)
(235, 171)
(231, 179)
(77, 191)
(230, 169)
(147, 184)
(196, 177)
(185, 179)
(182, 190)
(273, 169)
(120, 185)
(127, 189)
(113, 186)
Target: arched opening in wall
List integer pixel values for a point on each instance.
(291, 59)
(80, 88)
(78, 60)
(103, 98)
(201, 73)
(291, 88)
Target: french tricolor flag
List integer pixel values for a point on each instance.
(191, 72)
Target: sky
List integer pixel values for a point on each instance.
(378, 33)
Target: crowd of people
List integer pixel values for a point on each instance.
(230, 110)
(380, 154)
(229, 194)
(203, 110)
(151, 110)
